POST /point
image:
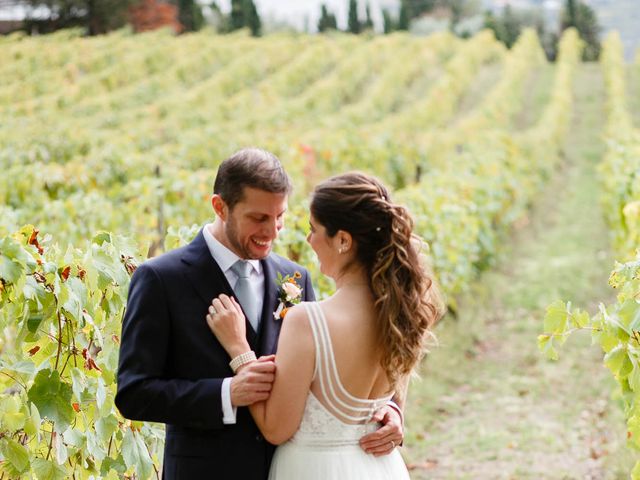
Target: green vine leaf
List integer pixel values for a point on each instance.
(48, 470)
(52, 397)
(135, 454)
(16, 454)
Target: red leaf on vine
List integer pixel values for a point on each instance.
(75, 406)
(65, 273)
(33, 240)
(91, 365)
(34, 350)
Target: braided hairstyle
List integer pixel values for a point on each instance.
(385, 246)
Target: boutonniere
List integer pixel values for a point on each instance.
(289, 293)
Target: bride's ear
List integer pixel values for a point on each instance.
(344, 241)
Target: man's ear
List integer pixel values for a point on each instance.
(219, 207)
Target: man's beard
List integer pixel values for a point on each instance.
(232, 236)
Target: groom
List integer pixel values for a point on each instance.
(173, 370)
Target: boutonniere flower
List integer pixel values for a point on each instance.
(289, 293)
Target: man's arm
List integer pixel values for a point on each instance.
(143, 391)
(391, 434)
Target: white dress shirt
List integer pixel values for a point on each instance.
(225, 259)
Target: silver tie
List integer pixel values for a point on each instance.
(243, 291)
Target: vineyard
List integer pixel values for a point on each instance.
(108, 150)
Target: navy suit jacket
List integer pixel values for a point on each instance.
(171, 366)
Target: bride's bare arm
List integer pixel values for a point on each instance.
(280, 415)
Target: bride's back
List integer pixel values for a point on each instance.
(351, 342)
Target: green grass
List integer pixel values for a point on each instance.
(489, 406)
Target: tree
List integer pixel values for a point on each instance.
(418, 7)
(581, 16)
(236, 17)
(492, 23)
(190, 15)
(570, 15)
(511, 26)
(244, 14)
(387, 21)
(368, 24)
(507, 27)
(327, 20)
(354, 22)
(252, 19)
(405, 15)
(96, 16)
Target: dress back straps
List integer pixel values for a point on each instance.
(326, 385)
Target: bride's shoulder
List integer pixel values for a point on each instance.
(301, 315)
(296, 325)
(297, 314)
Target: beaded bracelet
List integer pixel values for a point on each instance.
(242, 359)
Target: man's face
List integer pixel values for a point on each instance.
(253, 224)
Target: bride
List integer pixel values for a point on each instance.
(342, 358)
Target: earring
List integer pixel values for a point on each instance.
(340, 250)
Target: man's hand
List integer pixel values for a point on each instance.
(227, 322)
(384, 440)
(253, 382)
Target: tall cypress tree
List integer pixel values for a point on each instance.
(387, 21)
(583, 18)
(327, 20)
(511, 26)
(251, 18)
(491, 23)
(368, 23)
(405, 15)
(245, 14)
(354, 21)
(190, 15)
(333, 22)
(236, 18)
(570, 17)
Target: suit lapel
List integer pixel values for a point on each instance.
(206, 277)
(269, 326)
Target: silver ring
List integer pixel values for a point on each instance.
(393, 444)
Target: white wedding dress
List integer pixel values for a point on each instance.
(325, 447)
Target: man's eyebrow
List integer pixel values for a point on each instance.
(264, 214)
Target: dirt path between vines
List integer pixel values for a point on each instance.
(489, 406)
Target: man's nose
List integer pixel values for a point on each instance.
(275, 227)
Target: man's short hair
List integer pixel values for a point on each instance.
(250, 167)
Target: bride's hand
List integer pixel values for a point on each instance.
(227, 322)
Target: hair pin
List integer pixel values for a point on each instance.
(378, 229)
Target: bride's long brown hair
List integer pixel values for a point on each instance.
(386, 247)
